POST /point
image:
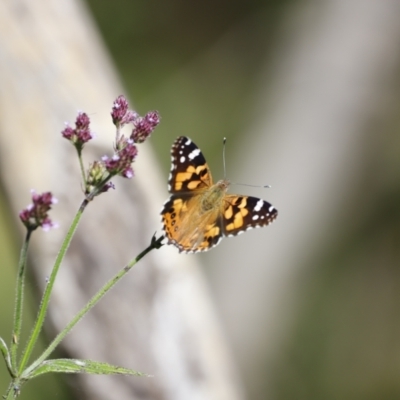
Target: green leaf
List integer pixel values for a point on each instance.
(74, 366)
(4, 349)
(6, 355)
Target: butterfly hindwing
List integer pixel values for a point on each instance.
(245, 212)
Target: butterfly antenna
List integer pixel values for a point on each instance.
(235, 183)
(246, 184)
(223, 156)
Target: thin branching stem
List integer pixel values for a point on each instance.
(82, 168)
(19, 301)
(44, 304)
(155, 244)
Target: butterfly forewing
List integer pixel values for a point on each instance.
(189, 169)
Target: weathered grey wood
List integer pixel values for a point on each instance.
(159, 320)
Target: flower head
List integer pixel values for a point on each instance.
(120, 162)
(143, 126)
(120, 113)
(81, 134)
(36, 214)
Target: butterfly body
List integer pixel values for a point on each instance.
(213, 197)
(199, 213)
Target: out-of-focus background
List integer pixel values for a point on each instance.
(307, 93)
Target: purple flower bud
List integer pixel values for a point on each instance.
(68, 132)
(82, 121)
(127, 173)
(82, 128)
(48, 224)
(108, 186)
(119, 108)
(129, 117)
(111, 164)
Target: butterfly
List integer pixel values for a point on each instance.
(200, 213)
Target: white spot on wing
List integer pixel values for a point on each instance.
(259, 205)
(188, 142)
(194, 154)
(255, 217)
(182, 159)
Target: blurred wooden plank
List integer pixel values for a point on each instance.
(159, 320)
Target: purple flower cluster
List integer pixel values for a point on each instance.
(36, 214)
(125, 149)
(97, 179)
(81, 134)
(142, 126)
(120, 113)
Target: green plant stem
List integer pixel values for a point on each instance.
(13, 390)
(44, 304)
(10, 393)
(155, 244)
(19, 301)
(82, 168)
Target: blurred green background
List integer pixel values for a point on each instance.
(199, 64)
(196, 62)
